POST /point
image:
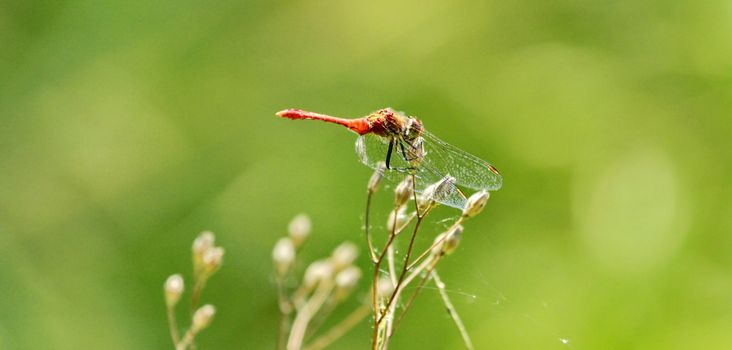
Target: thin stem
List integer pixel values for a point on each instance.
(369, 242)
(198, 286)
(406, 282)
(435, 244)
(432, 264)
(390, 262)
(379, 316)
(187, 340)
(341, 328)
(173, 325)
(300, 325)
(404, 267)
(285, 310)
(375, 283)
(451, 310)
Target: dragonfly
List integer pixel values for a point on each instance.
(401, 143)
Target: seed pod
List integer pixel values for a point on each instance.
(402, 219)
(283, 255)
(299, 229)
(452, 239)
(212, 260)
(317, 271)
(173, 289)
(436, 192)
(202, 317)
(201, 244)
(376, 177)
(404, 191)
(476, 203)
(346, 281)
(344, 255)
(385, 288)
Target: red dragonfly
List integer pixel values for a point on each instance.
(407, 148)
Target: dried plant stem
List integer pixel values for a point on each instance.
(341, 328)
(187, 340)
(198, 286)
(285, 310)
(430, 264)
(414, 274)
(369, 241)
(428, 251)
(451, 310)
(381, 334)
(300, 325)
(173, 324)
(375, 283)
(390, 262)
(404, 268)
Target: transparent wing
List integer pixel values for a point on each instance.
(372, 150)
(469, 171)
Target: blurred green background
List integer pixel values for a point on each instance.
(126, 128)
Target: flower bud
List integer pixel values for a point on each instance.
(283, 255)
(201, 244)
(452, 239)
(402, 219)
(377, 176)
(299, 229)
(385, 288)
(317, 271)
(212, 259)
(476, 203)
(437, 192)
(202, 317)
(404, 191)
(344, 255)
(346, 281)
(445, 243)
(173, 289)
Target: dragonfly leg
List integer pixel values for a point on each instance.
(388, 153)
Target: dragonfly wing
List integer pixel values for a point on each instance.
(450, 196)
(468, 170)
(372, 150)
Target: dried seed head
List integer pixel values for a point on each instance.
(348, 278)
(201, 244)
(202, 317)
(404, 191)
(445, 188)
(386, 287)
(436, 192)
(445, 243)
(283, 255)
(173, 289)
(346, 281)
(317, 271)
(437, 243)
(452, 239)
(476, 203)
(344, 255)
(402, 219)
(212, 259)
(376, 178)
(299, 229)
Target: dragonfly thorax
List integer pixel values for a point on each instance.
(391, 124)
